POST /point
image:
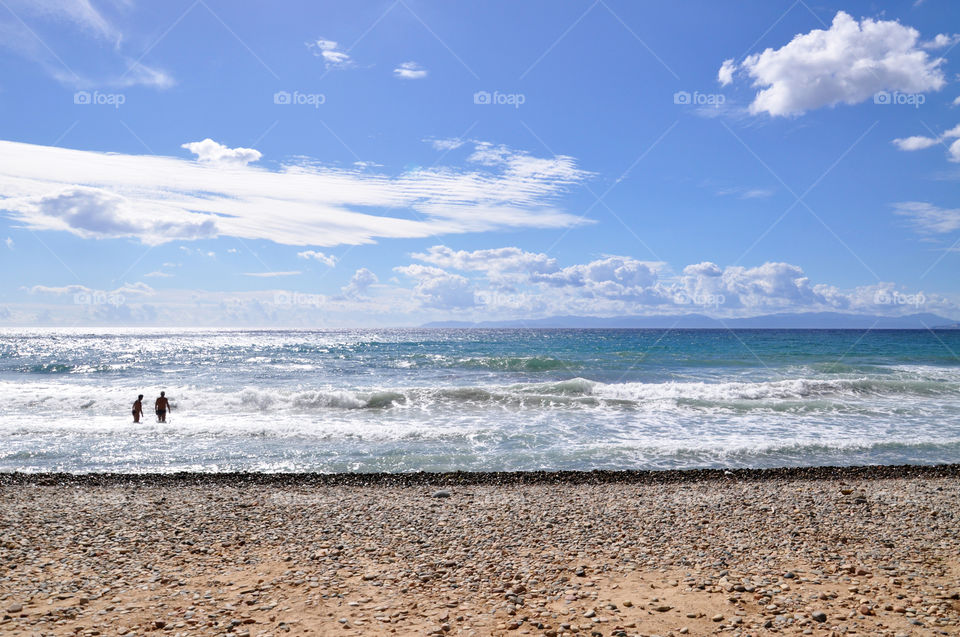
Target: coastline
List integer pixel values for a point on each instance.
(452, 478)
(814, 550)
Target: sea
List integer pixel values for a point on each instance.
(407, 400)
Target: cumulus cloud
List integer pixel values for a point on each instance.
(410, 71)
(359, 283)
(725, 74)
(847, 63)
(618, 285)
(156, 199)
(919, 142)
(437, 288)
(99, 214)
(941, 40)
(333, 56)
(494, 260)
(209, 151)
(916, 142)
(272, 275)
(85, 295)
(617, 277)
(9, 243)
(325, 259)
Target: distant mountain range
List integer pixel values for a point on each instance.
(810, 320)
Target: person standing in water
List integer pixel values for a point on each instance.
(138, 409)
(161, 406)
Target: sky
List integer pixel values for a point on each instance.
(340, 164)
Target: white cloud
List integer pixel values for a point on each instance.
(138, 289)
(359, 283)
(158, 199)
(325, 259)
(46, 20)
(158, 274)
(410, 71)
(494, 260)
(613, 277)
(916, 142)
(210, 152)
(928, 218)
(437, 288)
(953, 153)
(847, 63)
(725, 74)
(98, 214)
(619, 285)
(941, 40)
(271, 275)
(919, 142)
(9, 243)
(455, 142)
(956, 101)
(333, 56)
(747, 193)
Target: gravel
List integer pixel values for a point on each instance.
(871, 550)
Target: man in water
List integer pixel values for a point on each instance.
(138, 408)
(161, 407)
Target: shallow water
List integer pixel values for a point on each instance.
(407, 400)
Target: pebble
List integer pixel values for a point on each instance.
(369, 550)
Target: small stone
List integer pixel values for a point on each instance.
(717, 618)
(662, 609)
(789, 575)
(442, 493)
(159, 623)
(590, 613)
(15, 608)
(819, 616)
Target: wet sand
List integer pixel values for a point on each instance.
(865, 551)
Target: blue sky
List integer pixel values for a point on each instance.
(390, 163)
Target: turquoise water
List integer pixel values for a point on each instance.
(513, 399)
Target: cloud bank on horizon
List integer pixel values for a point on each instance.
(460, 207)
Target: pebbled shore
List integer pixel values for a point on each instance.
(825, 550)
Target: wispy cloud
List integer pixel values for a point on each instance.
(333, 56)
(410, 71)
(27, 28)
(159, 199)
(928, 218)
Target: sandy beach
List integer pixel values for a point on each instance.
(866, 551)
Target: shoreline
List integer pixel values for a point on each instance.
(494, 478)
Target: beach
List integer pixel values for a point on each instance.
(867, 551)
